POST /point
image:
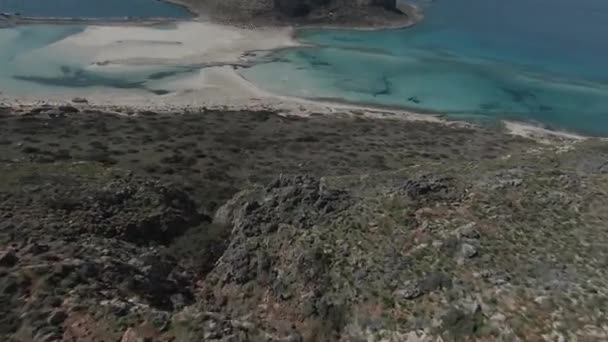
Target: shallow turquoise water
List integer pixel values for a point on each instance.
(29, 67)
(105, 9)
(536, 60)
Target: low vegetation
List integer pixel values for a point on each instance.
(250, 226)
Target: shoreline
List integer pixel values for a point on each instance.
(293, 106)
(219, 85)
(91, 200)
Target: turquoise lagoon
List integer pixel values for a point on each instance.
(105, 9)
(30, 66)
(541, 61)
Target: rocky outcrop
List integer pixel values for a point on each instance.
(297, 8)
(355, 12)
(387, 4)
(80, 247)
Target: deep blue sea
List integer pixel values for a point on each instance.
(98, 9)
(542, 61)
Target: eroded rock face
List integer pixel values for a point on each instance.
(387, 4)
(276, 243)
(298, 8)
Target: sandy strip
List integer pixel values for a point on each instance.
(216, 88)
(187, 43)
(222, 88)
(540, 134)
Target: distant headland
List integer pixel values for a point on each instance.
(362, 14)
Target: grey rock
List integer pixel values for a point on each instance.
(211, 335)
(294, 337)
(431, 282)
(431, 187)
(468, 251)
(387, 4)
(8, 258)
(435, 281)
(178, 300)
(468, 231)
(410, 290)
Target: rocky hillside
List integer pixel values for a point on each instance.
(504, 250)
(327, 12)
(296, 8)
(340, 229)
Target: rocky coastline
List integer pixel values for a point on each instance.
(366, 14)
(330, 14)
